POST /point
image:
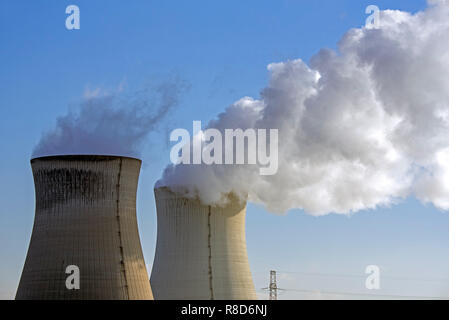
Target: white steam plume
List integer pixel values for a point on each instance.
(361, 127)
(111, 123)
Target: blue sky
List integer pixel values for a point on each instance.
(221, 48)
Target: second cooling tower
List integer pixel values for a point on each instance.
(85, 221)
(201, 250)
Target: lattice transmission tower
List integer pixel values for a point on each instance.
(273, 288)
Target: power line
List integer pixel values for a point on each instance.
(363, 294)
(273, 288)
(316, 274)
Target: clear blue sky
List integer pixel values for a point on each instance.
(221, 48)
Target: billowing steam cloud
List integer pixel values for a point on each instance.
(361, 127)
(112, 123)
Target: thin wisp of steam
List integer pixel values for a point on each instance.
(111, 123)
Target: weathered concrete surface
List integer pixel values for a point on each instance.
(85, 216)
(201, 251)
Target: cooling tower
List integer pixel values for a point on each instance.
(85, 216)
(200, 251)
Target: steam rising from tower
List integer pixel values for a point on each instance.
(114, 123)
(362, 126)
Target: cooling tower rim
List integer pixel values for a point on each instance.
(82, 157)
(172, 194)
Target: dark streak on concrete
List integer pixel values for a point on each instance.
(209, 245)
(62, 185)
(122, 256)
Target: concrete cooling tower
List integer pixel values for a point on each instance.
(85, 216)
(201, 250)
